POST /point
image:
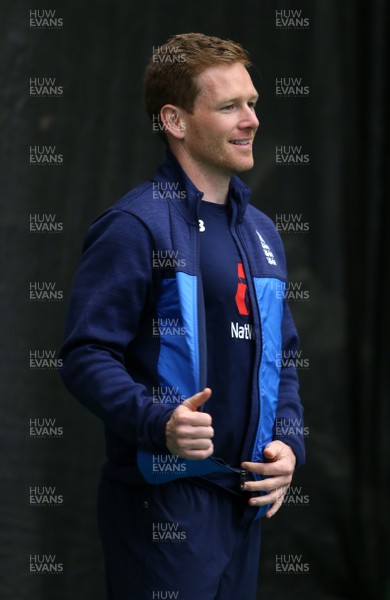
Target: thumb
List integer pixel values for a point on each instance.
(197, 400)
(270, 451)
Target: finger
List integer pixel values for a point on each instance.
(273, 449)
(275, 497)
(279, 468)
(189, 444)
(194, 433)
(197, 400)
(274, 508)
(266, 485)
(192, 419)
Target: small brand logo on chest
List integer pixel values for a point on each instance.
(267, 250)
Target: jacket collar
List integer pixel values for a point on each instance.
(172, 172)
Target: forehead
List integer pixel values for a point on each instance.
(224, 82)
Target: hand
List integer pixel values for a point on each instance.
(189, 432)
(278, 469)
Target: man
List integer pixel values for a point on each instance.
(175, 336)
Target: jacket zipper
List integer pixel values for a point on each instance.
(256, 316)
(199, 279)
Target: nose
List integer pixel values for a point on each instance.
(249, 119)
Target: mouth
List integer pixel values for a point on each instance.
(244, 142)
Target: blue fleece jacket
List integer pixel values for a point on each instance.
(135, 340)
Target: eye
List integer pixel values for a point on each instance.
(228, 107)
(252, 105)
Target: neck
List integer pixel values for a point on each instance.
(214, 185)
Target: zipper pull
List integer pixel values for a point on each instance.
(243, 474)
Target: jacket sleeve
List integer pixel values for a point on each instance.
(289, 427)
(111, 288)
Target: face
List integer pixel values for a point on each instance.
(219, 134)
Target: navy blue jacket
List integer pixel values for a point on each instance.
(136, 325)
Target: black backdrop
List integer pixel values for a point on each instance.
(336, 521)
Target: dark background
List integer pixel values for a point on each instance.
(100, 127)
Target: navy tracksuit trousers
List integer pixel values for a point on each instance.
(176, 540)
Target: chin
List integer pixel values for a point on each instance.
(244, 166)
(233, 166)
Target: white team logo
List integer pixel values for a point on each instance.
(201, 225)
(267, 250)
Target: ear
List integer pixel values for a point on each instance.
(172, 119)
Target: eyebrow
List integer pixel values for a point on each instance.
(255, 97)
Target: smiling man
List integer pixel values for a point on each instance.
(176, 336)
(216, 138)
